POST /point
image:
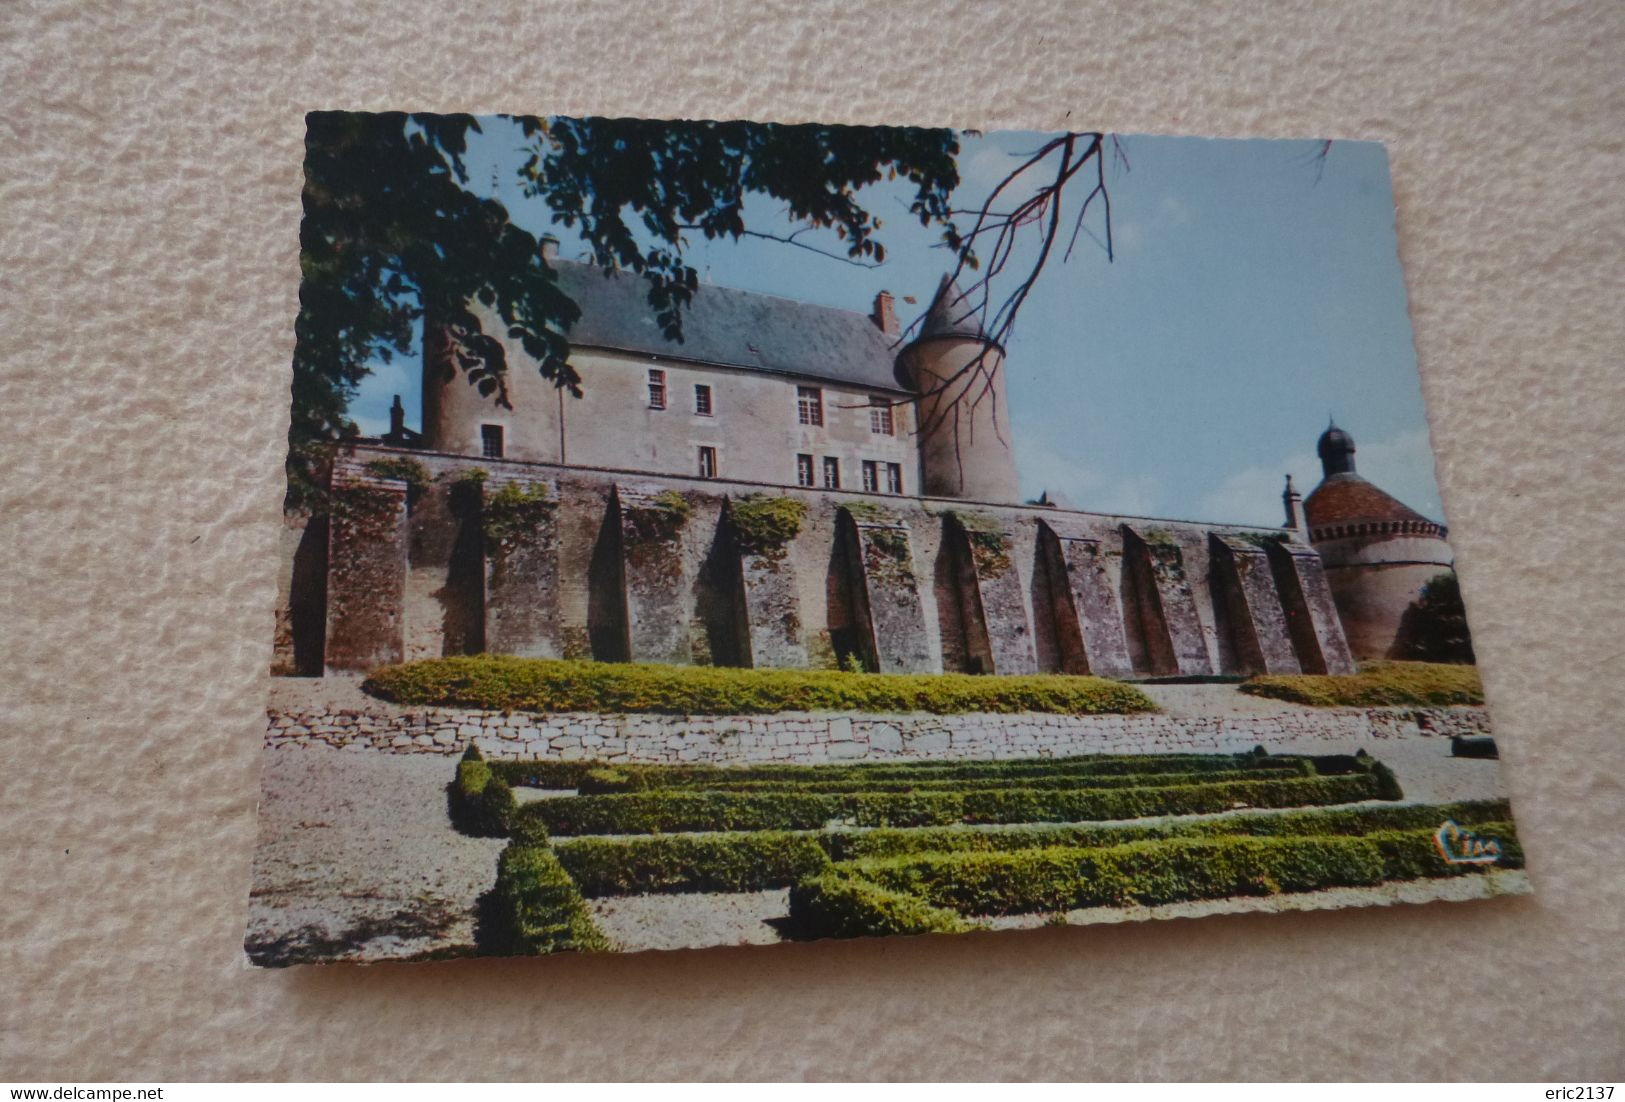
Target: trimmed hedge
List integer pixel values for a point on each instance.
(600, 782)
(505, 683)
(627, 777)
(691, 862)
(536, 908)
(853, 845)
(1146, 872)
(478, 801)
(837, 903)
(544, 774)
(684, 810)
(1163, 871)
(753, 861)
(1379, 685)
(638, 777)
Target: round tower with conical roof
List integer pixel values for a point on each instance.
(963, 417)
(1379, 553)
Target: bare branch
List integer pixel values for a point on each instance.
(791, 240)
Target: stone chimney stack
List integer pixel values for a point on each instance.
(397, 419)
(885, 315)
(1293, 501)
(549, 248)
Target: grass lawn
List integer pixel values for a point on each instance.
(1379, 685)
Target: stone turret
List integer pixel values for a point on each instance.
(964, 427)
(1379, 553)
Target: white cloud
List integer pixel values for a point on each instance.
(981, 171)
(1046, 468)
(1401, 465)
(1253, 496)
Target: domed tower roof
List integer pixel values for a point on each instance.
(1344, 504)
(1336, 451)
(951, 314)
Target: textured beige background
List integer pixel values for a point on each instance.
(148, 275)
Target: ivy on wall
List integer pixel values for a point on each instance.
(764, 524)
(512, 513)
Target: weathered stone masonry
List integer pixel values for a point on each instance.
(821, 737)
(535, 559)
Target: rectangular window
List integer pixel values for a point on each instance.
(804, 470)
(702, 399)
(708, 462)
(894, 478)
(880, 419)
(491, 441)
(809, 405)
(871, 476)
(657, 388)
(832, 473)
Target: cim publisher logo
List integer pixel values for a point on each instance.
(1460, 846)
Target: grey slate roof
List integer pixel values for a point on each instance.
(951, 314)
(731, 328)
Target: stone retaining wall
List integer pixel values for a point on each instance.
(819, 737)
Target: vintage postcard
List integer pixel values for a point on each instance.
(712, 533)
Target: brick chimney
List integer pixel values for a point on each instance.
(397, 419)
(885, 315)
(549, 248)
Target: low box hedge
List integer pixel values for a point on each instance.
(757, 860)
(1079, 782)
(506, 683)
(543, 774)
(897, 842)
(606, 782)
(1163, 870)
(837, 903)
(684, 810)
(598, 779)
(1145, 872)
(478, 801)
(535, 908)
(691, 862)
(1379, 685)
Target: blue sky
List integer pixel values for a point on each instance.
(1252, 294)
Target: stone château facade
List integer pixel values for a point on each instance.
(780, 489)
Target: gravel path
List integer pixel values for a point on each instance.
(1214, 699)
(357, 860)
(692, 920)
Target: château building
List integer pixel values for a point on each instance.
(620, 525)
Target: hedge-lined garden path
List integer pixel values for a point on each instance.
(357, 860)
